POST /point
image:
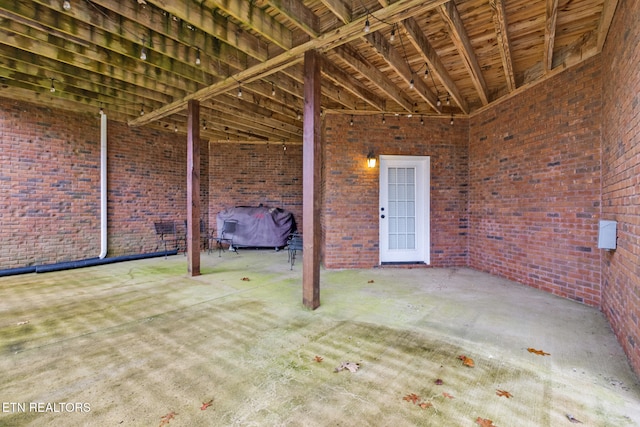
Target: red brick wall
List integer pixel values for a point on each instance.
(621, 176)
(254, 174)
(50, 185)
(534, 196)
(351, 191)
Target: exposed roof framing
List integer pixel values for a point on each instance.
(476, 52)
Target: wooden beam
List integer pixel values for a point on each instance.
(243, 11)
(504, 45)
(329, 90)
(421, 43)
(605, 21)
(299, 14)
(377, 77)
(193, 188)
(551, 15)
(311, 181)
(339, 8)
(398, 11)
(397, 62)
(217, 37)
(460, 38)
(352, 84)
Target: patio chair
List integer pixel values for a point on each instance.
(229, 227)
(294, 245)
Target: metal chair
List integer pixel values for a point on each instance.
(167, 235)
(229, 227)
(294, 245)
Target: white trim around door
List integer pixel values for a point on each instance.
(404, 212)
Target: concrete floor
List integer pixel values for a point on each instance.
(141, 344)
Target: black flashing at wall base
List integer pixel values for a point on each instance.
(67, 265)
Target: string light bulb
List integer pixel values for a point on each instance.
(383, 119)
(66, 5)
(448, 100)
(175, 128)
(239, 91)
(198, 62)
(438, 102)
(143, 53)
(273, 89)
(52, 88)
(142, 110)
(367, 26)
(393, 34)
(351, 121)
(451, 121)
(421, 120)
(411, 85)
(101, 111)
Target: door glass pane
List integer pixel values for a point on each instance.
(402, 209)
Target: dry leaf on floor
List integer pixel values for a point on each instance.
(166, 418)
(370, 281)
(439, 382)
(485, 422)
(467, 361)
(425, 405)
(540, 352)
(246, 279)
(413, 398)
(503, 393)
(24, 322)
(447, 395)
(318, 359)
(351, 366)
(205, 405)
(573, 419)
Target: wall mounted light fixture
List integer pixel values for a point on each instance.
(371, 159)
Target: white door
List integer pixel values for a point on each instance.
(404, 209)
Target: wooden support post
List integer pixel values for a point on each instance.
(311, 177)
(193, 188)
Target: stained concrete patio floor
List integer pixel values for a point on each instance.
(142, 344)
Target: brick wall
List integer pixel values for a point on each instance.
(254, 174)
(50, 184)
(534, 183)
(351, 191)
(621, 176)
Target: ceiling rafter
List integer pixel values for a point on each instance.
(605, 21)
(329, 90)
(214, 47)
(502, 34)
(373, 74)
(551, 16)
(460, 38)
(340, 9)
(252, 17)
(66, 54)
(352, 84)
(421, 43)
(126, 52)
(299, 14)
(91, 52)
(331, 39)
(400, 65)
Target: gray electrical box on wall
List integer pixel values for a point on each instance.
(607, 234)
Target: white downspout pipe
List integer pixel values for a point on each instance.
(103, 186)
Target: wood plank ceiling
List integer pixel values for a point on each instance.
(415, 57)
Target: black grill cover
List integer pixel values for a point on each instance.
(259, 226)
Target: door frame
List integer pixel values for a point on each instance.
(423, 211)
